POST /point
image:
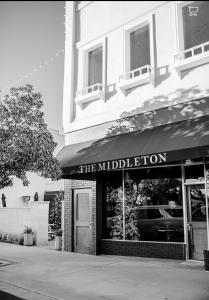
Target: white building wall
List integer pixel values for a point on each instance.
(14, 220)
(108, 19)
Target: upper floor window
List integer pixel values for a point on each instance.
(92, 69)
(192, 24)
(138, 54)
(139, 48)
(95, 66)
(195, 27)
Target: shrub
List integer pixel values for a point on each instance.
(15, 238)
(58, 232)
(10, 238)
(4, 237)
(21, 239)
(28, 230)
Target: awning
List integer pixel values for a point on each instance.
(163, 144)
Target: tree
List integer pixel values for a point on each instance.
(26, 145)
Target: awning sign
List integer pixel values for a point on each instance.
(133, 162)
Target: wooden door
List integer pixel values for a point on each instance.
(82, 220)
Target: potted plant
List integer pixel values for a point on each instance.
(28, 236)
(58, 239)
(206, 259)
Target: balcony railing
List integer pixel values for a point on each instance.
(90, 89)
(90, 93)
(192, 52)
(136, 73)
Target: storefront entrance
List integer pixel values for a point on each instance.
(82, 218)
(196, 220)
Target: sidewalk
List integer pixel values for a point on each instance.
(38, 273)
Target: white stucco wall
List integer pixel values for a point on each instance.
(109, 19)
(13, 220)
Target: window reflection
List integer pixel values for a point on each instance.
(198, 204)
(153, 206)
(114, 208)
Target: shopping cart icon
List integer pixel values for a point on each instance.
(193, 10)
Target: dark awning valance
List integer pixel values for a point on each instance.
(163, 144)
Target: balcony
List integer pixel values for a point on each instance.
(136, 77)
(192, 57)
(90, 93)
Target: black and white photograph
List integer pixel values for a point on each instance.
(104, 150)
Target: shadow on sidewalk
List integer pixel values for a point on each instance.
(5, 296)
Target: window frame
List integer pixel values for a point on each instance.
(139, 23)
(193, 61)
(84, 70)
(127, 49)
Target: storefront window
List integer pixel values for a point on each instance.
(114, 207)
(152, 203)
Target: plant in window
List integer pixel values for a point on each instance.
(114, 198)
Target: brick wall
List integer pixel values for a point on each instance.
(69, 186)
(143, 249)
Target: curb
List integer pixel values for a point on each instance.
(24, 293)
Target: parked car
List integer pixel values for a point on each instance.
(160, 223)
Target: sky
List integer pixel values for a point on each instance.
(32, 33)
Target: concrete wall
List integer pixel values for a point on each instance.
(14, 220)
(111, 18)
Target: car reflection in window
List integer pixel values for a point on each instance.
(160, 223)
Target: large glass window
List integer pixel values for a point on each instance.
(139, 48)
(113, 208)
(95, 66)
(151, 204)
(195, 27)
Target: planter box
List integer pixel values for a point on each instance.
(28, 239)
(58, 243)
(206, 259)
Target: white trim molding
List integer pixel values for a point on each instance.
(69, 85)
(96, 91)
(189, 58)
(144, 74)
(90, 93)
(136, 77)
(192, 57)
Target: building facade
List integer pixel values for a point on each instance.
(136, 123)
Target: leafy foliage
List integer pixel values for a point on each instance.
(138, 192)
(58, 232)
(28, 230)
(115, 210)
(55, 209)
(25, 142)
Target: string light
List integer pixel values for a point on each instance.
(41, 66)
